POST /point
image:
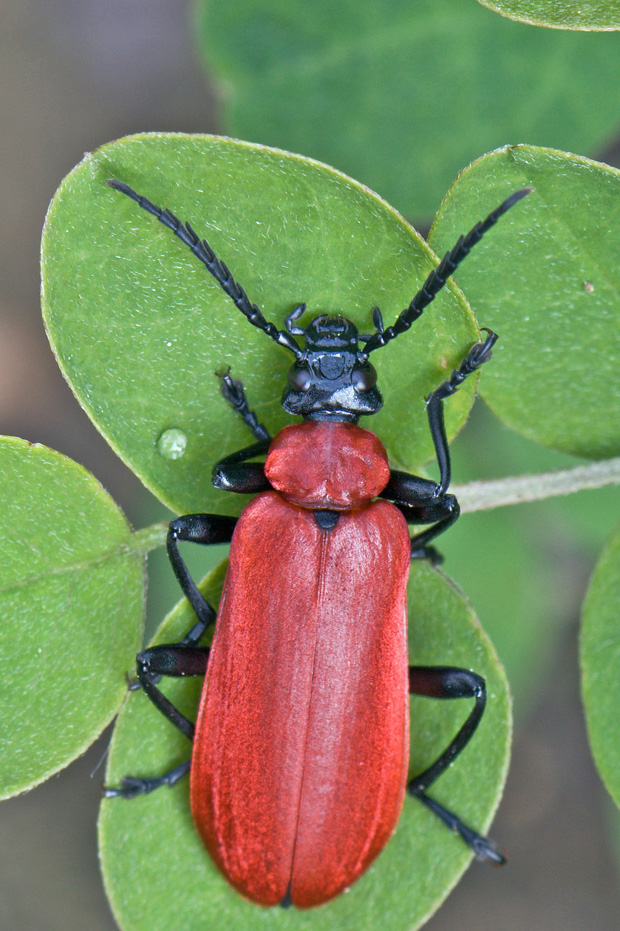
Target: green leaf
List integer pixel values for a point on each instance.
(600, 665)
(554, 302)
(513, 562)
(575, 524)
(156, 872)
(495, 556)
(71, 606)
(139, 327)
(401, 95)
(586, 15)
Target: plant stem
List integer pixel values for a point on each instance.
(150, 538)
(482, 496)
(475, 496)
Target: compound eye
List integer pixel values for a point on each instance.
(364, 379)
(299, 379)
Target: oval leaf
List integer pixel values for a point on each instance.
(600, 665)
(153, 836)
(501, 557)
(586, 15)
(497, 556)
(139, 327)
(554, 303)
(402, 94)
(71, 605)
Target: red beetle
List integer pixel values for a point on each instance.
(301, 746)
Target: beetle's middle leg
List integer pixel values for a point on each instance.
(452, 682)
(196, 528)
(231, 473)
(418, 500)
(169, 659)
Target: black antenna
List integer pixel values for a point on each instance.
(439, 276)
(203, 251)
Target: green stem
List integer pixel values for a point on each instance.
(482, 496)
(475, 496)
(150, 538)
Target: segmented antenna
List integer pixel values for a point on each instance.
(203, 251)
(439, 276)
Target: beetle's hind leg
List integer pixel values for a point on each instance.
(132, 786)
(452, 682)
(170, 659)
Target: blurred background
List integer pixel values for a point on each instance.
(77, 73)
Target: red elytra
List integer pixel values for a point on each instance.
(301, 747)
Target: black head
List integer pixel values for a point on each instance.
(332, 378)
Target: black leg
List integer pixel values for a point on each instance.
(451, 682)
(196, 528)
(172, 659)
(233, 473)
(477, 356)
(132, 786)
(418, 500)
(420, 549)
(421, 500)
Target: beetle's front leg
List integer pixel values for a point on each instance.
(234, 473)
(423, 501)
(234, 392)
(445, 511)
(477, 356)
(169, 659)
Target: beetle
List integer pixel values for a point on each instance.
(300, 751)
